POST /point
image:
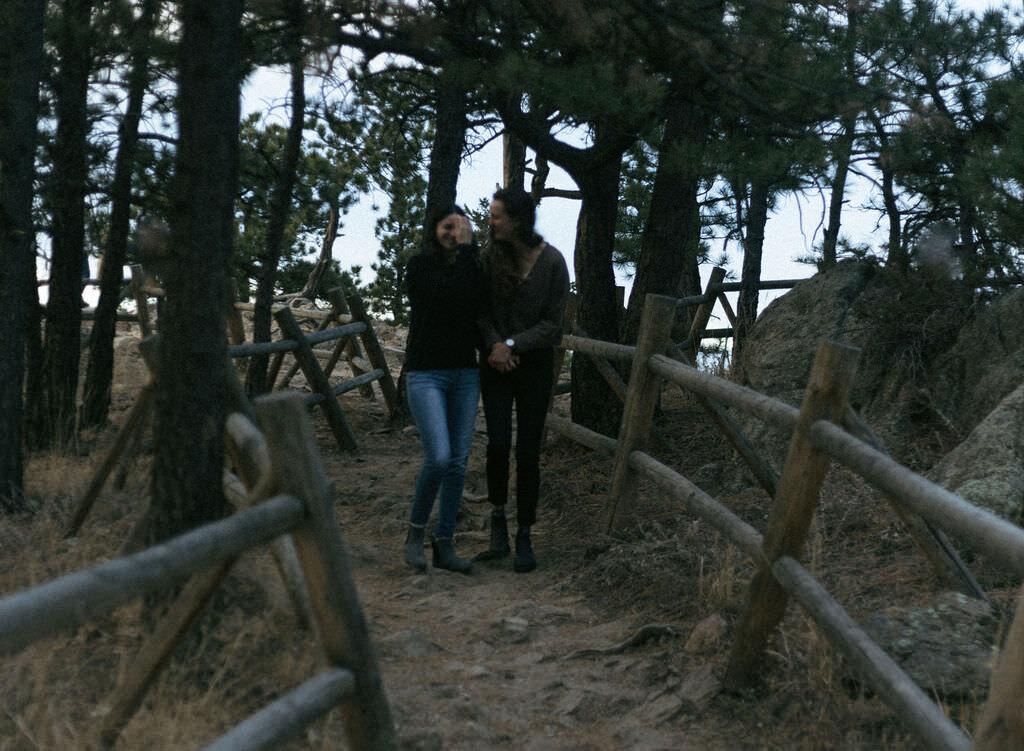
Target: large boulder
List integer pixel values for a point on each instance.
(946, 647)
(987, 469)
(933, 363)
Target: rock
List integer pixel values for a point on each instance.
(707, 634)
(408, 643)
(946, 648)
(929, 365)
(662, 708)
(514, 630)
(987, 468)
(698, 688)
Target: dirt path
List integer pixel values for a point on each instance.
(485, 661)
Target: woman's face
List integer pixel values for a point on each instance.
(446, 231)
(503, 227)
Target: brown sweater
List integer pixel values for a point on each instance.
(531, 310)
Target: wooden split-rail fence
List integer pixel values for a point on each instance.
(287, 499)
(823, 429)
(714, 292)
(367, 362)
(355, 326)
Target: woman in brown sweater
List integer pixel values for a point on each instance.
(527, 285)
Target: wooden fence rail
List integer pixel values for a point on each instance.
(294, 499)
(817, 437)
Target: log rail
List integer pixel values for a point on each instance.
(290, 501)
(818, 437)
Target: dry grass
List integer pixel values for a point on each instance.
(671, 567)
(246, 649)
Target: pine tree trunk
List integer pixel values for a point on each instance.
(21, 63)
(52, 416)
(594, 404)
(280, 202)
(99, 372)
(192, 390)
(753, 250)
(446, 150)
(671, 239)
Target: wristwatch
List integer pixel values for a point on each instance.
(510, 343)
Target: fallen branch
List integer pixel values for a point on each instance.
(645, 634)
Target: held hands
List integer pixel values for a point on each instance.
(502, 358)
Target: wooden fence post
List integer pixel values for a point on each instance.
(141, 299)
(799, 486)
(703, 314)
(317, 380)
(655, 331)
(375, 353)
(236, 326)
(129, 433)
(340, 622)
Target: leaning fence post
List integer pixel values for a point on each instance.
(793, 508)
(141, 299)
(317, 380)
(375, 353)
(641, 397)
(349, 345)
(130, 430)
(703, 314)
(340, 622)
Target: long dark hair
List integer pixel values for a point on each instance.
(430, 244)
(502, 264)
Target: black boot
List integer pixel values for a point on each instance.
(499, 547)
(414, 555)
(444, 556)
(524, 560)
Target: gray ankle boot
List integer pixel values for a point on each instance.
(444, 556)
(414, 555)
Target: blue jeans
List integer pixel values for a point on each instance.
(443, 405)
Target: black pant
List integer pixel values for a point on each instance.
(529, 388)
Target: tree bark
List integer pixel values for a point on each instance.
(446, 151)
(593, 403)
(844, 149)
(671, 239)
(52, 415)
(99, 372)
(513, 158)
(192, 391)
(753, 250)
(21, 63)
(897, 258)
(280, 203)
(314, 282)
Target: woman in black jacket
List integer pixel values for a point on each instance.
(442, 378)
